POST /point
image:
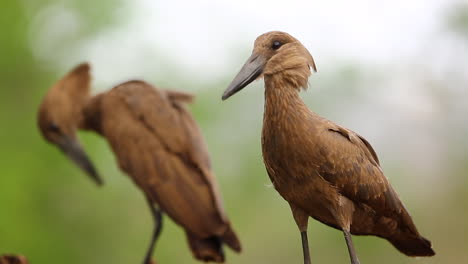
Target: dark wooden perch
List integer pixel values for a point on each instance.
(16, 259)
(13, 259)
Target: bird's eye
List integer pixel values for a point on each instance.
(276, 45)
(54, 128)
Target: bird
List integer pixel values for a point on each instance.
(156, 142)
(323, 170)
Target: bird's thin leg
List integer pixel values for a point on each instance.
(157, 216)
(349, 243)
(305, 247)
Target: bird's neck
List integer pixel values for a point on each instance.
(285, 122)
(282, 100)
(91, 114)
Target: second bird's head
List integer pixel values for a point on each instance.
(60, 114)
(275, 54)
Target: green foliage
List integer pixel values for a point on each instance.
(458, 20)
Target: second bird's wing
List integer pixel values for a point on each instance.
(197, 149)
(154, 146)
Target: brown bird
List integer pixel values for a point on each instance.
(321, 169)
(157, 143)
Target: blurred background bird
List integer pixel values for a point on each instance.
(157, 143)
(321, 169)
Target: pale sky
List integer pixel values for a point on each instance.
(365, 29)
(207, 32)
(209, 38)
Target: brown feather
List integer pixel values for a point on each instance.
(178, 96)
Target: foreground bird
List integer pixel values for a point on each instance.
(157, 143)
(321, 169)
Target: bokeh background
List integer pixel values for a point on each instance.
(394, 71)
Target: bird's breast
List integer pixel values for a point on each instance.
(293, 170)
(288, 148)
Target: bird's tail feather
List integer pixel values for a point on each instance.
(412, 245)
(206, 249)
(211, 248)
(231, 240)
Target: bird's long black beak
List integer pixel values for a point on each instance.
(75, 152)
(251, 70)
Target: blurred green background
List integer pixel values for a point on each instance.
(413, 109)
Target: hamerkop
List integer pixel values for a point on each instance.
(321, 169)
(157, 143)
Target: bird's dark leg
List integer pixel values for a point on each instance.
(157, 216)
(305, 247)
(349, 243)
(302, 218)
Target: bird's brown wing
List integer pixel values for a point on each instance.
(352, 166)
(155, 145)
(198, 151)
(154, 110)
(357, 175)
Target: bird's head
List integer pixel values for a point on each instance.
(60, 114)
(275, 54)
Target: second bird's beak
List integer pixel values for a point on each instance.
(251, 70)
(75, 152)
